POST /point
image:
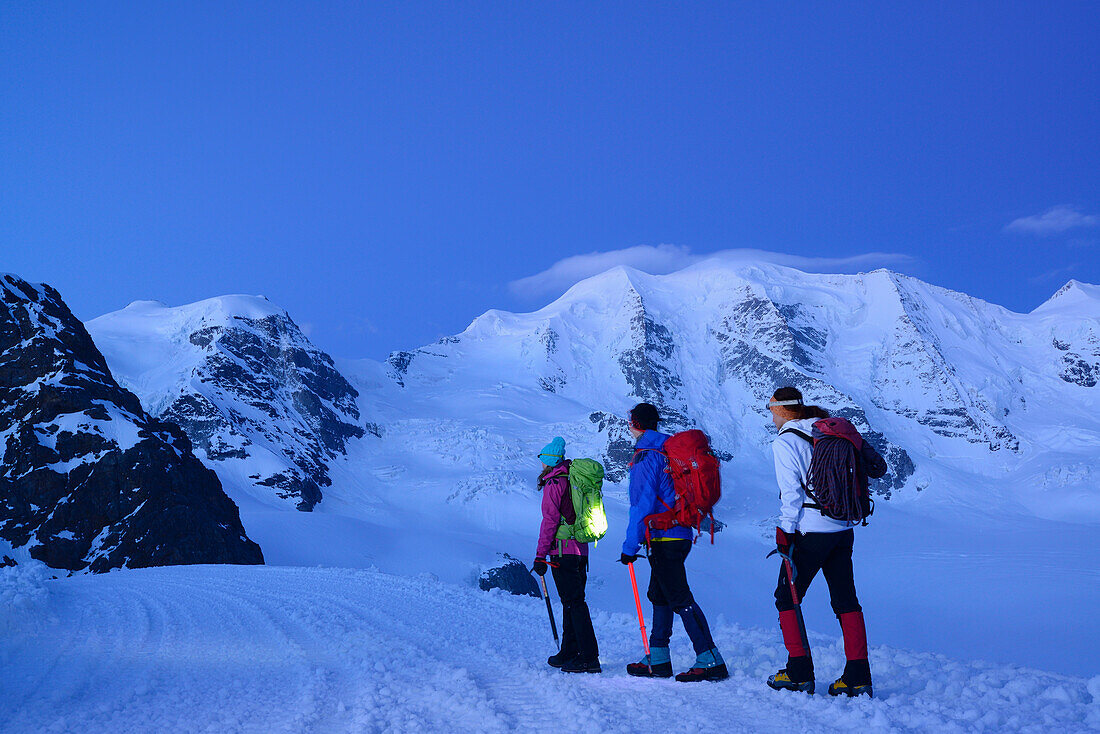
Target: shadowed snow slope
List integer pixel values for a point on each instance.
(237, 649)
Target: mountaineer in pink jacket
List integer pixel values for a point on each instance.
(579, 652)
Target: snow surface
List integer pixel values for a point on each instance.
(268, 649)
(983, 555)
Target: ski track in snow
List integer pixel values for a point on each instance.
(270, 649)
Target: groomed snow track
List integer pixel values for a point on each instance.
(267, 649)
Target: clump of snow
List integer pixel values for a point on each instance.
(23, 594)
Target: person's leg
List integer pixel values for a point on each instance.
(565, 581)
(573, 571)
(582, 618)
(671, 575)
(807, 556)
(661, 632)
(840, 577)
(658, 663)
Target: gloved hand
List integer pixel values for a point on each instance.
(627, 560)
(784, 541)
(539, 567)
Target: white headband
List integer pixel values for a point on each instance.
(774, 403)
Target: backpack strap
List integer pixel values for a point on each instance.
(814, 504)
(805, 437)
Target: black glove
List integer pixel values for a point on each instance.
(784, 541)
(539, 567)
(627, 560)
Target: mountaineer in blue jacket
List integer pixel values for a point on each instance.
(651, 491)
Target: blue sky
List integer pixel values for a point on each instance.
(388, 171)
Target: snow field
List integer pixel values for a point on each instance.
(273, 649)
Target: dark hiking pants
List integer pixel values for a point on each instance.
(669, 592)
(830, 553)
(577, 636)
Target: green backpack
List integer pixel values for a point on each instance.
(585, 487)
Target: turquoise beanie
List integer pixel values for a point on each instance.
(553, 452)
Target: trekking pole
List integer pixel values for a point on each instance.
(549, 609)
(638, 604)
(791, 576)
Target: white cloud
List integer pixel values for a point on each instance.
(1053, 221)
(664, 259)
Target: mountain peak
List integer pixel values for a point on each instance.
(1074, 294)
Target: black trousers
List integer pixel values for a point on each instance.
(669, 592)
(668, 581)
(830, 553)
(577, 636)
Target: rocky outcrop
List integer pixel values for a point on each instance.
(90, 481)
(247, 386)
(511, 576)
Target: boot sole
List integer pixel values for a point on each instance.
(793, 689)
(853, 693)
(586, 670)
(716, 675)
(647, 674)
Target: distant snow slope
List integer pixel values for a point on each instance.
(263, 406)
(236, 649)
(963, 397)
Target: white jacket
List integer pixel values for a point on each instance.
(792, 468)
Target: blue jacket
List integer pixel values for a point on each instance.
(648, 482)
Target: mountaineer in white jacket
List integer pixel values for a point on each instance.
(813, 542)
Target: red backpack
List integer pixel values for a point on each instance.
(696, 480)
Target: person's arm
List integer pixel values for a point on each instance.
(643, 498)
(788, 476)
(551, 516)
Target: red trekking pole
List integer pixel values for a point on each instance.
(638, 604)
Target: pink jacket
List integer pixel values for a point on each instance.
(556, 501)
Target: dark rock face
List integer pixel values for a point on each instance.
(620, 445)
(512, 576)
(761, 349)
(398, 364)
(89, 480)
(650, 368)
(262, 386)
(1077, 370)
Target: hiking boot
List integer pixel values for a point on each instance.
(709, 665)
(715, 672)
(644, 669)
(580, 665)
(657, 664)
(842, 688)
(559, 659)
(782, 682)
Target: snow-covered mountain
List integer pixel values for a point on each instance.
(965, 399)
(259, 401)
(89, 480)
(958, 394)
(987, 417)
